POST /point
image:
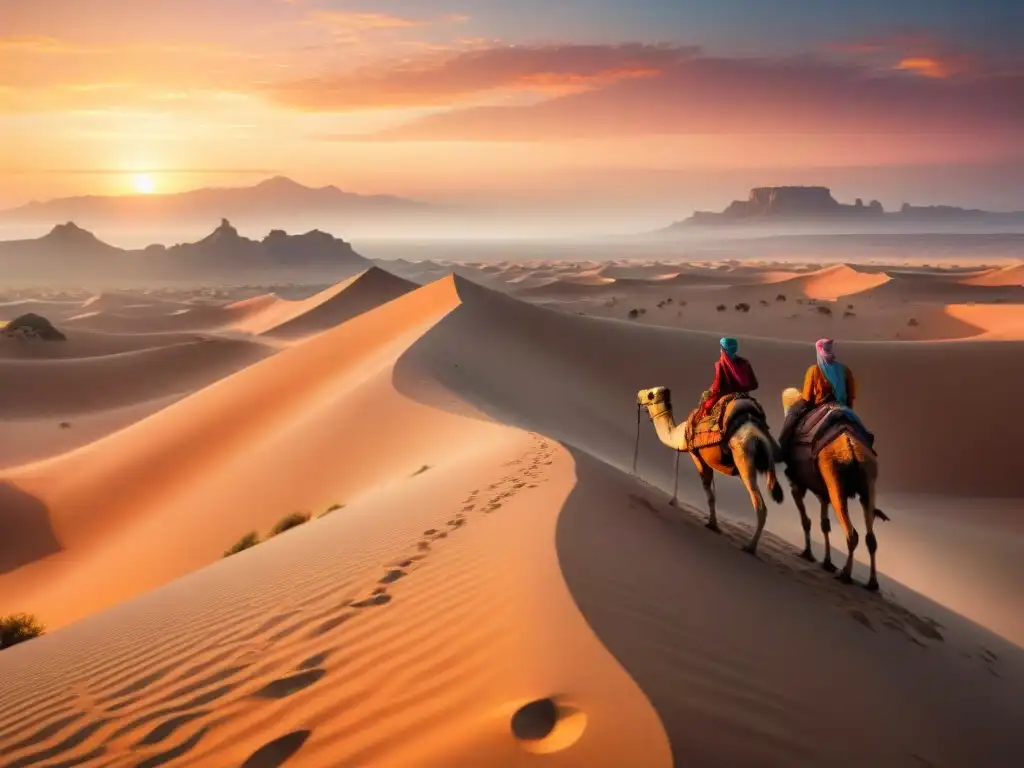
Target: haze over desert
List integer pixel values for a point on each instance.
(475, 385)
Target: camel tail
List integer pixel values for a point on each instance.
(765, 464)
(763, 457)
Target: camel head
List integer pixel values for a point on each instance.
(790, 395)
(654, 396)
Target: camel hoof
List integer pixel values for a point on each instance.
(750, 550)
(872, 585)
(844, 578)
(808, 556)
(674, 503)
(828, 566)
(713, 527)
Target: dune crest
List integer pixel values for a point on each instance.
(330, 307)
(1011, 275)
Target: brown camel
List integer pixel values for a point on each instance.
(845, 467)
(750, 444)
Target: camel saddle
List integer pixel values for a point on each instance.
(713, 429)
(816, 429)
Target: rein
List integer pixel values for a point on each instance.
(636, 453)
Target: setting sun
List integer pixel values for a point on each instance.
(143, 184)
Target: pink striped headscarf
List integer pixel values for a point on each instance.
(825, 350)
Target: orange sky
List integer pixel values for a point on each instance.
(465, 99)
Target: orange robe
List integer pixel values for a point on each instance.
(817, 390)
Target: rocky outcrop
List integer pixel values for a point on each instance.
(787, 203)
(33, 326)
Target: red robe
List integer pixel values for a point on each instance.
(731, 376)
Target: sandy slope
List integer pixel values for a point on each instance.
(1010, 275)
(277, 640)
(63, 387)
(833, 282)
(994, 320)
(81, 343)
(331, 307)
(478, 566)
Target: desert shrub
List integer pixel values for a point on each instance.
(824, 310)
(421, 470)
(848, 313)
(65, 425)
(742, 307)
(19, 627)
(250, 539)
(720, 308)
(849, 306)
(764, 302)
(912, 322)
(781, 297)
(286, 523)
(332, 508)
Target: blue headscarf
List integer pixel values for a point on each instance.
(834, 371)
(729, 345)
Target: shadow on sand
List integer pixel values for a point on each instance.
(27, 534)
(747, 661)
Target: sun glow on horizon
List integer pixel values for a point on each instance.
(143, 184)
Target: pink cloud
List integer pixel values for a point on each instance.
(448, 78)
(682, 92)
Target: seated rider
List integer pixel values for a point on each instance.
(733, 375)
(826, 381)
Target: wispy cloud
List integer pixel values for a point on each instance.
(679, 92)
(447, 78)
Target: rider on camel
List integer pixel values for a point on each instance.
(733, 375)
(826, 381)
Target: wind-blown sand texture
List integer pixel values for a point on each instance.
(493, 548)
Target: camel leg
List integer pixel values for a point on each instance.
(805, 521)
(826, 528)
(867, 501)
(744, 462)
(838, 498)
(707, 480)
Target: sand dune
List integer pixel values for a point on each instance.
(466, 577)
(291, 319)
(128, 302)
(201, 318)
(941, 289)
(995, 321)
(492, 551)
(222, 461)
(64, 387)
(51, 309)
(1012, 274)
(82, 343)
(831, 283)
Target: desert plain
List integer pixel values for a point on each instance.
(482, 579)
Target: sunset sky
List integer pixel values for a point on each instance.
(516, 101)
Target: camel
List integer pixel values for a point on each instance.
(752, 451)
(845, 467)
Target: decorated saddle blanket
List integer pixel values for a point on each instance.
(715, 429)
(822, 425)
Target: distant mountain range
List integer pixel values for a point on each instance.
(768, 206)
(276, 200)
(70, 254)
